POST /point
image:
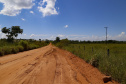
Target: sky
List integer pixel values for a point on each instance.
(72, 19)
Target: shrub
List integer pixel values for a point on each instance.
(24, 44)
(1, 52)
(15, 50)
(7, 50)
(20, 48)
(62, 43)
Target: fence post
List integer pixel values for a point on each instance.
(84, 47)
(92, 49)
(108, 52)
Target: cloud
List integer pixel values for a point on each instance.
(122, 34)
(23, 19)
(60, 35)
(119, 37)
(14, 7)
(32, 35)
(37, 35)
(47, 7)
(77, 35)
(32, 12)
(2, 35)
(66, 26)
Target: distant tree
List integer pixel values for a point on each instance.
(40, 40)
(63, 42)
(12, 32)
(47, 41)
(57, 39)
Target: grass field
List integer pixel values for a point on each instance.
(111, 63)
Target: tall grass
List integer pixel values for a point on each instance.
(113, 64)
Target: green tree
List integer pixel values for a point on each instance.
(12, 32)
(57, 39)
(62, 43)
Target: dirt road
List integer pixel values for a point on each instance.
(47, 65)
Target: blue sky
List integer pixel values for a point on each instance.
(72, 19)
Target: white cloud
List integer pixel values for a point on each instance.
(32, 35)
(2, 35)
(119, 37)
(77, 35)
(122, 34)
(60, 35)
(49, 8)
(37, 35)
(14, 7)
(66, 26)
(23, 19)
(52, 37)
(32, 12)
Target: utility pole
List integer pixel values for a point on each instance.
(106, 34)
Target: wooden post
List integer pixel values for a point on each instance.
(108, 52)
(92, 49)
(84, 47)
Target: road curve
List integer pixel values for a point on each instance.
(48, 65)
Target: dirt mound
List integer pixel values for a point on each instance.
(48, 65)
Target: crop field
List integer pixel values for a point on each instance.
(110, 59)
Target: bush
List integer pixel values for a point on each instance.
(62, 43)
(7, 50)
(20, 48)
(1, 52)
(15, 50)
(24, 44)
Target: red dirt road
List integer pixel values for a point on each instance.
(48, 65)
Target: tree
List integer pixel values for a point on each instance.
(57, 39)
(40, 40)
(63, 42)
(12, 32)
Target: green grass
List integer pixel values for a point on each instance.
(96, 54)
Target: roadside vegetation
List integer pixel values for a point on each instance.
(11, 45)
(109, 58)
(19, 46)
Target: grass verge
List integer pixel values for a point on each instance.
(112, 63)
